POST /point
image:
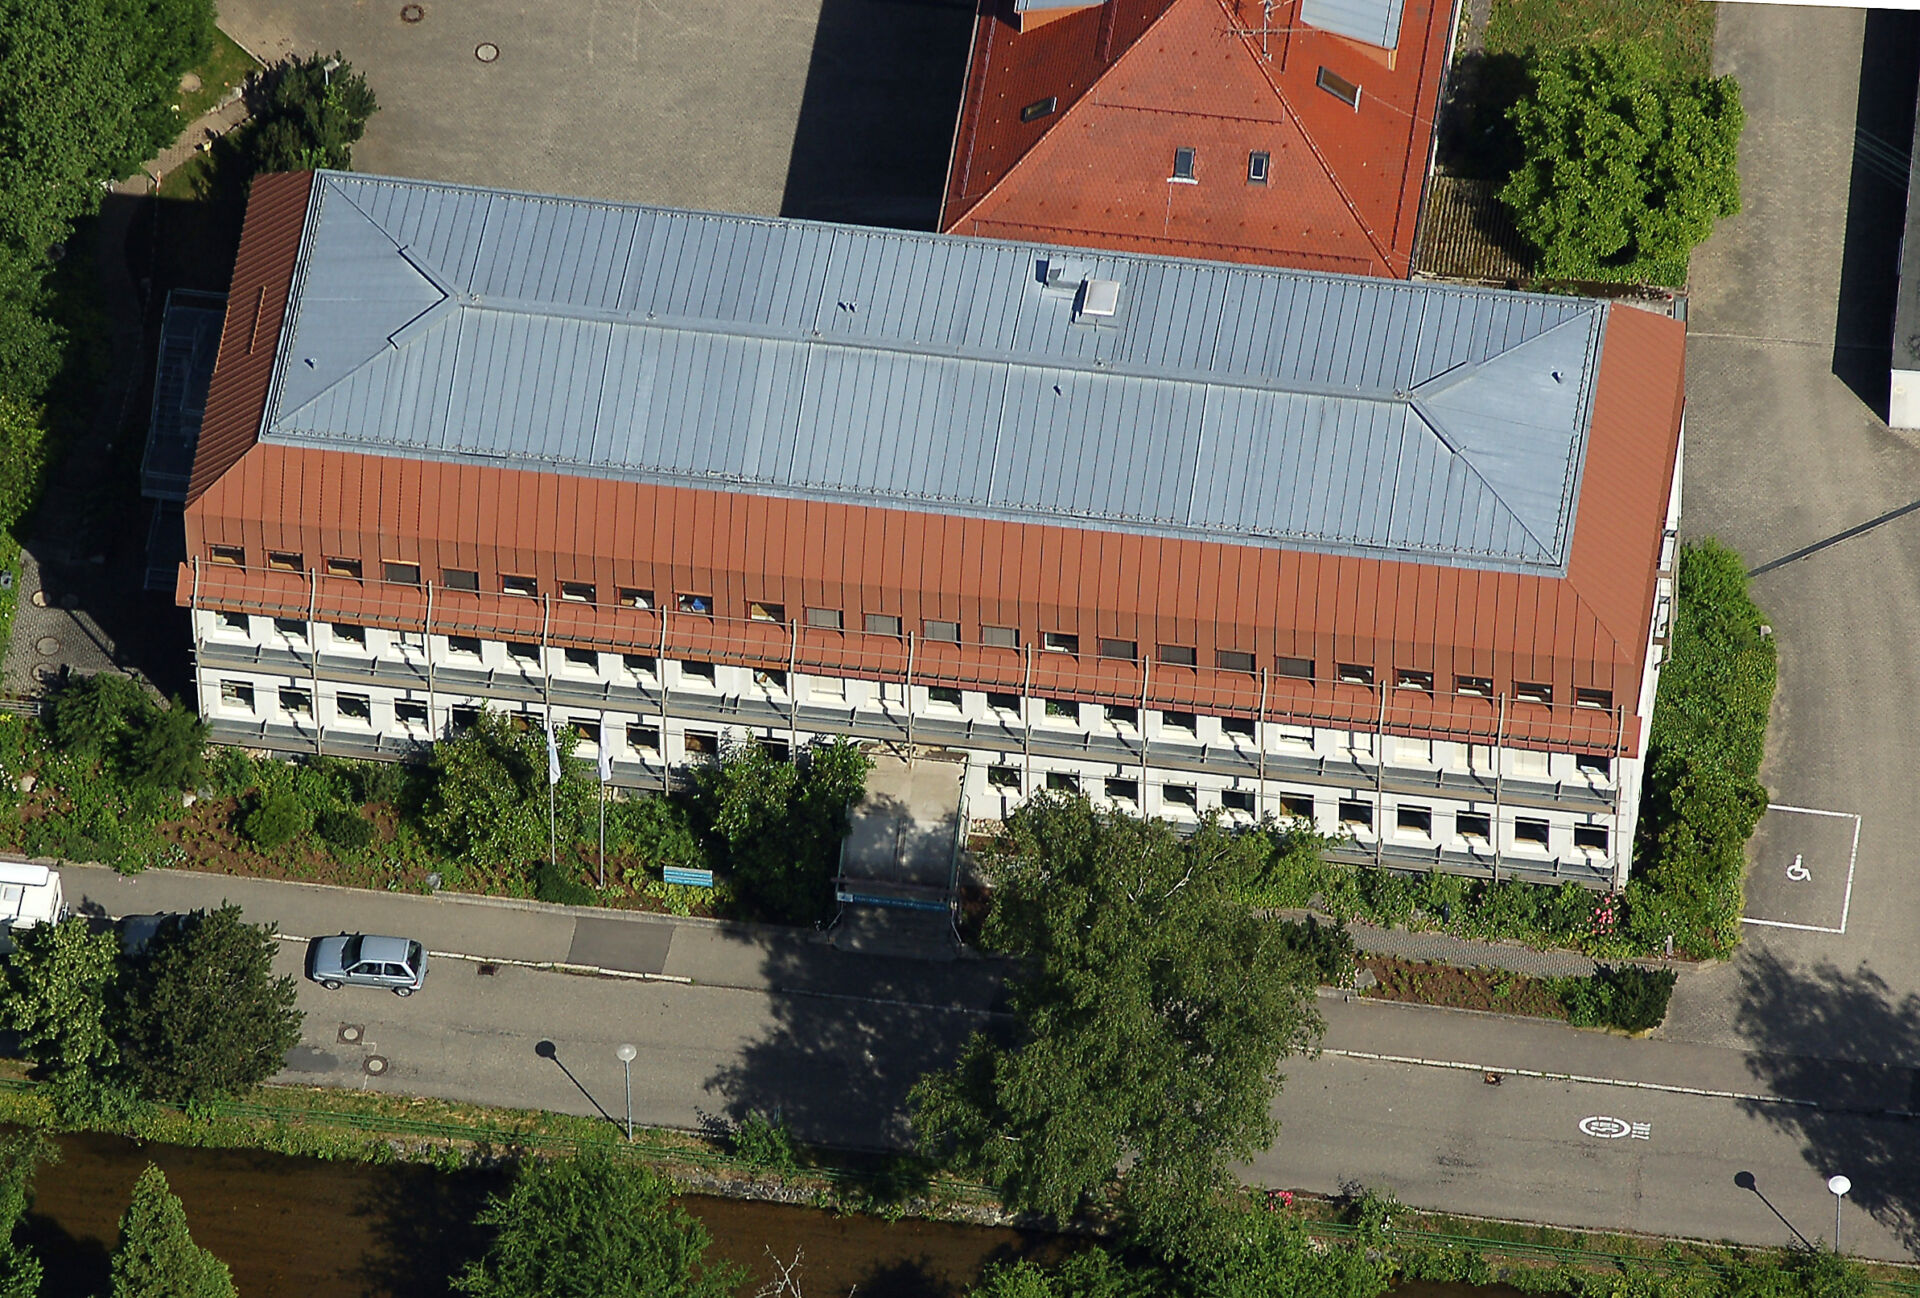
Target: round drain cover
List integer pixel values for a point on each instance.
(411, 13)
(46, 646)
(375, 1065)
(486, 51)
(350, 1033)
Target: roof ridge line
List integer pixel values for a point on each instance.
(1092, 86)
(1260, 65)
(1438, 429)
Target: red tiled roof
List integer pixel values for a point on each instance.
(1134, 81)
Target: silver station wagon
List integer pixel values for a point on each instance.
(363, 960)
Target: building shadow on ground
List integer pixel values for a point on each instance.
(877, 114)
(1809, 1028)
(1877, 205)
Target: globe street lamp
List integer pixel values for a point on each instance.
(626, 1055)
(1837, 1186)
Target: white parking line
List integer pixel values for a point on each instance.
(1846, 898)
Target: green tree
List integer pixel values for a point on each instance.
(1150, 1015)
(29, 341)
(307, 115)
(1626, 167)
(1091, 1273)
(92, 715)
(1262, 1254)
(20, 1155)
(22, 436)
(56, 992)
(586, 1228)
(277, 816)
(204, 1017)
(156, 1256)
(165, 748)
(487, 803)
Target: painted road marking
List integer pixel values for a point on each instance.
(1846, 898)
(1602, 1126)
(1798, 872)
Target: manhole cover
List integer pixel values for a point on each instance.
(189, 83)
(375, 1065)
(486, 51)
(46, 646)
(411, 13)
(487, 970)
(350, 1033)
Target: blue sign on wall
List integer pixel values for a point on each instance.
(690, 878)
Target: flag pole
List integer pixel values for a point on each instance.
(553, 780)
(606, 778)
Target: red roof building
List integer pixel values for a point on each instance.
(1230, 130)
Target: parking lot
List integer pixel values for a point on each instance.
(1803, 866)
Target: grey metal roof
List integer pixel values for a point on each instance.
(937, 373)
(1377, 22)
(189, 342)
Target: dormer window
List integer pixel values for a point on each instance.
(1183, 162)
(1259, 165)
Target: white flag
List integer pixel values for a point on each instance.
(606, 758)
(553, 755)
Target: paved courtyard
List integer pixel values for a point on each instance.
(834, 109)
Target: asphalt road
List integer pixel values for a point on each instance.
(738, 1019)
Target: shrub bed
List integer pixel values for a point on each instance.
(1625, 998)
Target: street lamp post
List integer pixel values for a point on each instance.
(1837, 1186)
(626, 1055)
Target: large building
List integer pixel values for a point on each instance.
(1185, 536)
(1278, 132)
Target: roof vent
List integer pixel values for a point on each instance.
(1099, 298)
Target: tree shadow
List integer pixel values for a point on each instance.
(1477, 141)
(72, 1266)
(877, 115)
(423, 1222)
(1883, 135)
(1808, 1028)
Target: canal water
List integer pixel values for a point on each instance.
(302, 1228)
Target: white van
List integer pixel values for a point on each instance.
(29, 894)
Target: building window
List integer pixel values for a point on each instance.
(1178, 654)
(828, 687)
(695, 670)
(1354, 674)
(1532, 832)
(1123, 791)
(292, 627)
(583, 657)
(1339, 87)
(353, 707)
(645, 739)
(1237, 800)
(1241, 726)
(578, 592)
(1474, 824)
(353, 635)
(1128, 650)
(1593, 764)
(1040, 108)
(766, 611)
(1000, 637)
(770, 678)
(640, 664)
(634, 597)
(1183, 163)
(1405, 679)
(585, 729)
(1355, 814)
(1292, 736)
(400, 574)
(237, 694)
(1592, 838)
(1061, 642)
(1295, 807)
(523, 651)
(690, 603)
(946, 631)
(1602, 699)
(702, 743)
(409, 713)
(1000, 701)
(775, 748)
(1123, 714)
(467, 645)
(460, 579)
(284, 561)
(1299, 669)
(1180, 795)
(297, 702)
(1477, 686)
(943, 696)
(511, 584)
(1178, 721)
(233, 556)
(1533, 692)
(830, 619)
(1414, 820)
(881, 623)
(343, 568)
(1259, 163)
(1064, 709)
(1233, 660)
(463, 718)
(1061, 782)
(1003, 777)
